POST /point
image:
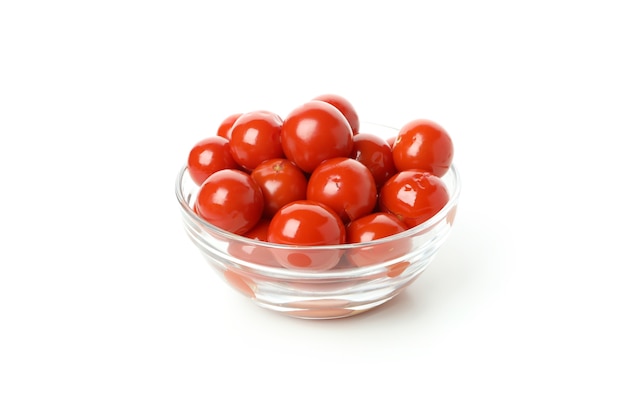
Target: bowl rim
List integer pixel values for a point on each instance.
(233, 237)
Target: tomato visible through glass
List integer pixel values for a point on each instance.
(414, 196)
(314, 179)
(251, 252)
(372, 227)
(306, 223)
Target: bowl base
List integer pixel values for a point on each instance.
(324, 309)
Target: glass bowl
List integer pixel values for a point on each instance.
(319, 282)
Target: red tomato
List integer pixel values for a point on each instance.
(314, 132)
(259, 231)
(230, 200)
(373, 227)
(345, 107)
(208, 156)
(423, 144)
(414, 196)
(226, 125)
(251, 252)
(345, 185)
(255, 137)
(281, 182)
(375, 153)
(306, 223)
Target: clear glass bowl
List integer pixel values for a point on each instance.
(319, 282)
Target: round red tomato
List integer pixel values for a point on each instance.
(281, 182)
(423, 144)
(414, 196)
(375, 153)
(208, 156)
(306, 223)
(345, 107)
(373, 227)
(255, 137)
(345, 185)
(230, 200)
(226, 125)
(314, 132)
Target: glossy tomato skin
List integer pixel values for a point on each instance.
(255, 137)
(208, 156)
(423, 144)
(375, 153)
(345, 107)
(230, 200)
(345, 185)
(306, 223)
(313, 132)
(226, 125)
(281, 182)
(413, 196)
(373, 227)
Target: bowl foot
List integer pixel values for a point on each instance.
(323, 309)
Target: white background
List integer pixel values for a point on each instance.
(107, 309)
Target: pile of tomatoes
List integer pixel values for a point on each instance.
(313, 178)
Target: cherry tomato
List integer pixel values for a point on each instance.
(314, 132)
(423, 144)
(230, 200)
(414, 196)
(281, 182)
(208, 156)
(226, 125)
(306, 223)
(375, 153)
(345, 107)
(373, 227)
(259, 231)
(345, 185)
(251, 252)
(255, 137)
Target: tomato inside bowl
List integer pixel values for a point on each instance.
(322, 281)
